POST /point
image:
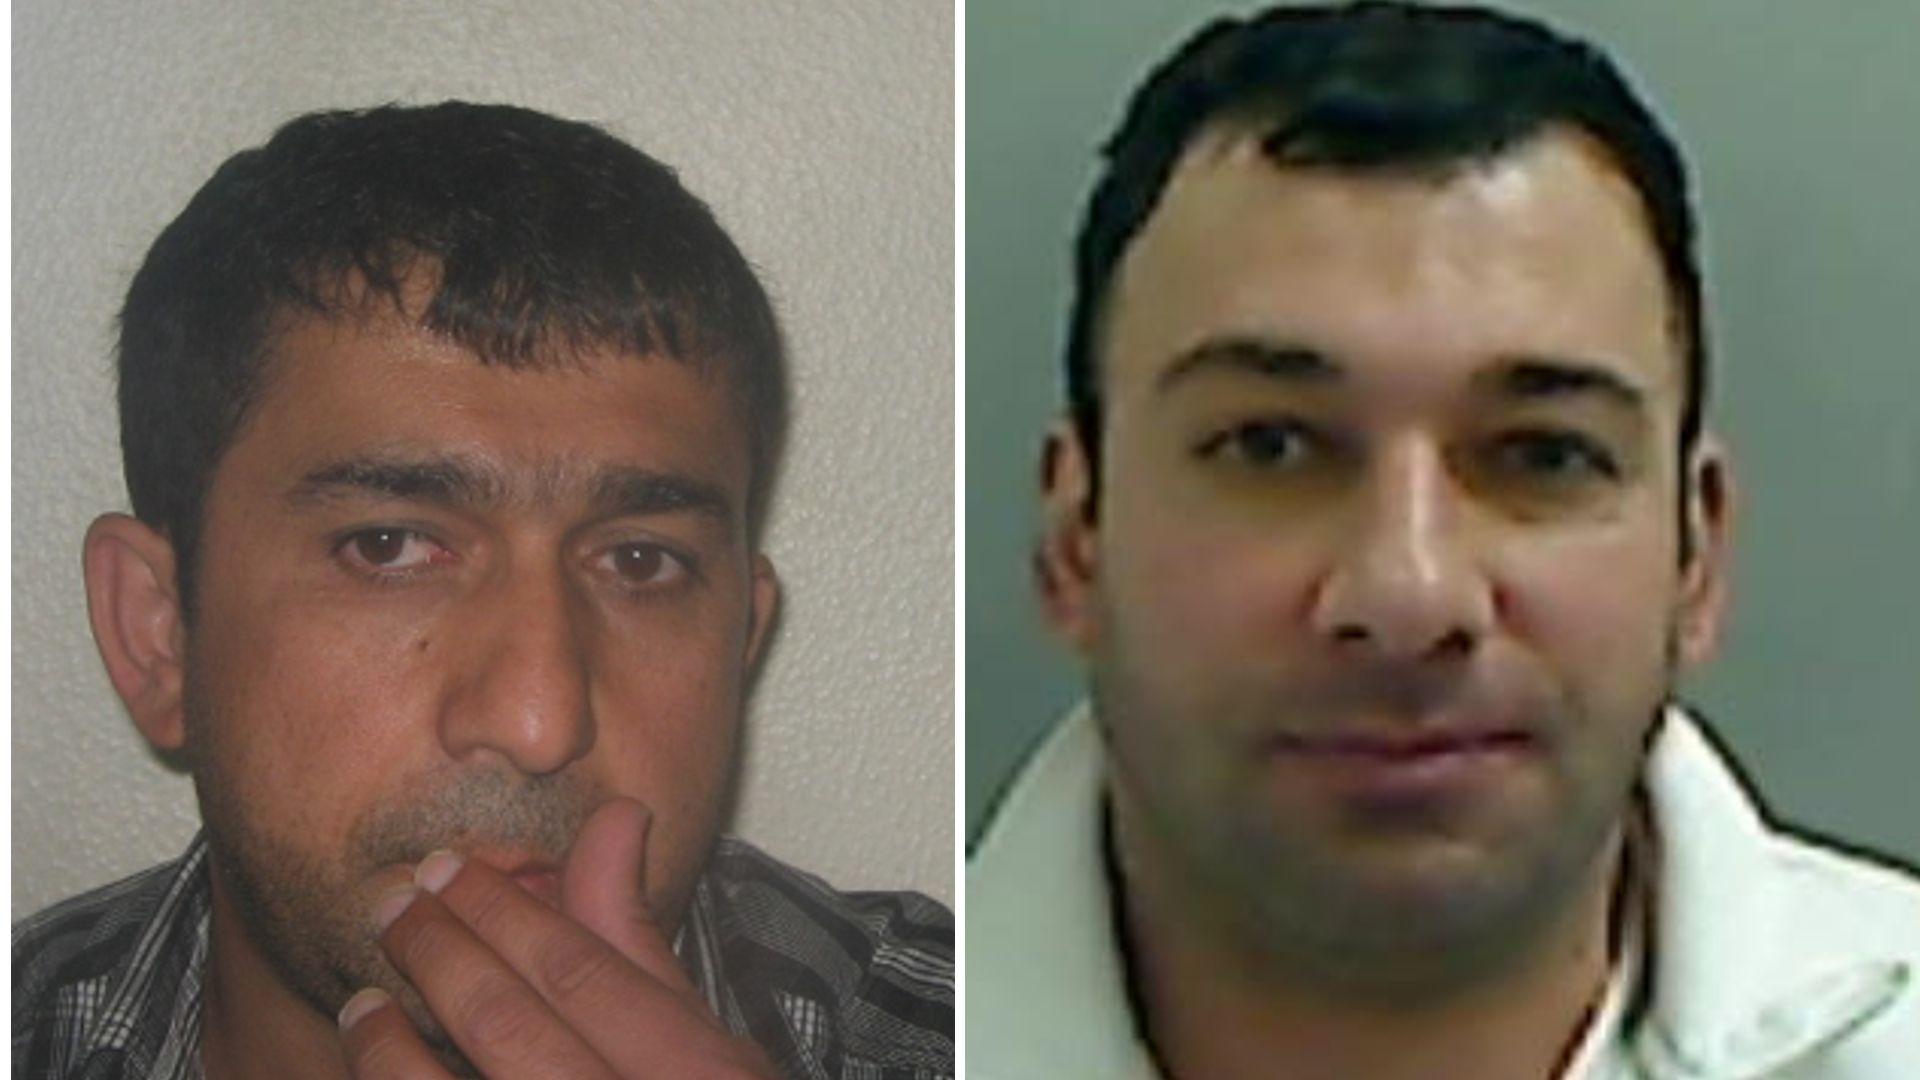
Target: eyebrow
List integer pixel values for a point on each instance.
(468, 484)
(1274, 360)
(1525, 378)
(1536, 378)
(628, 491)
(442, 480)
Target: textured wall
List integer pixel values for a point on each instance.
(821, 133)
(1798, 123)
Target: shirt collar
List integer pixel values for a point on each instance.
(1735, 991)
(1039, 919)
(151, 1008)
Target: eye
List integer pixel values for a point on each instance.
(1554, 455)
(1266, 444)
(390, 550)
(645, 565)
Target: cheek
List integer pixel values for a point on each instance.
(1598, 610)
(667, 724)
(1216, 573)
(305, 711)
(1208, 595)
(667, 695)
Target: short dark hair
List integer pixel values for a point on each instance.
(542, 237)
(1376, 86)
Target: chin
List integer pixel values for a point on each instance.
(292, 912)
(1415, 916)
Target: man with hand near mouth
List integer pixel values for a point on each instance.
(449, 432)
(1384, 521)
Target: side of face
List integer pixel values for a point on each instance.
(1389, 465)
(444, 604)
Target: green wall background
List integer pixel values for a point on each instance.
(1799, 124)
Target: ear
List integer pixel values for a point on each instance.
(765, 602)
(1705, 580)
(1066, 559)
(133, 603)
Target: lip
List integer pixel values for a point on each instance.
(1402, 747)
(1406, 774)
(537, 875)
(544, 885)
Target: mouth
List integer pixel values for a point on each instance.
(1405, 773)
(539, 876)
(1407, 748)
(542, 884)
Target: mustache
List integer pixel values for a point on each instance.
(1408, 692)
(1393, 690)
(538, 815)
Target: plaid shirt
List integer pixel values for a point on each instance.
(832, 985)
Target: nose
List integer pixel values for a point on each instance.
(1407, 584)
(524, 691)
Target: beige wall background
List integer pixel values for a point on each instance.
(821, 134)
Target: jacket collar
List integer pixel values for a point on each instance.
(1732, 991)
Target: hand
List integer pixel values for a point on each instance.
(523, 990)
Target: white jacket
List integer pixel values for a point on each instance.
(1773, 958)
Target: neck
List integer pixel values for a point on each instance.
(1208, 1012)
(251, 1024)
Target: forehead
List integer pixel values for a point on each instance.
(1542, 251)
(380, 385)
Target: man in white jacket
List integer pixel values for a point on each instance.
(1385, 519)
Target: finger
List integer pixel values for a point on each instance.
(499, 1021)
(634, 1022)
(604, 888)
(380, 1044)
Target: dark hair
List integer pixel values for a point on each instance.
(1383, 86)
(542, 237)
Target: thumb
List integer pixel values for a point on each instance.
(604, 888)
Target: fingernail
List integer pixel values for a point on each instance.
(391, 904)
(360, 1005)
(436, 870)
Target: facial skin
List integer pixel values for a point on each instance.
(1390, 460)
(443, 605)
